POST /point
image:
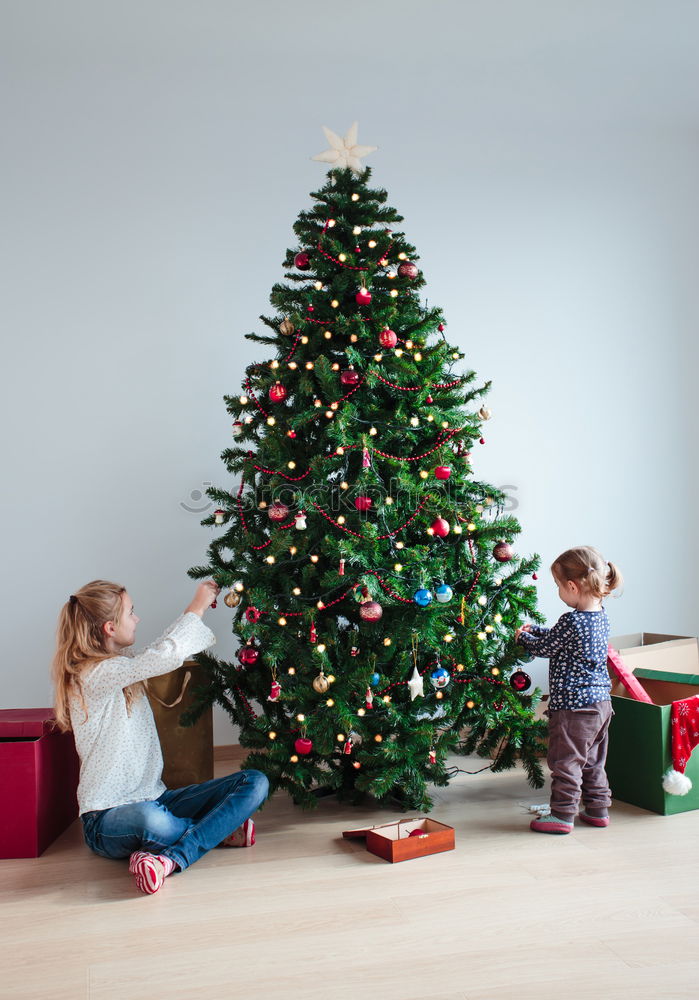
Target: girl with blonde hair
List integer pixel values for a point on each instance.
(100, 687)
(580, 706)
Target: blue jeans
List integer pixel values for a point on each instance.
(182, 824)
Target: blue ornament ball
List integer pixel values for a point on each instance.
(444, 593)
(375, 679)
(439, 678)
(422, 597)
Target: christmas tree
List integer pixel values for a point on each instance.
(374, 589)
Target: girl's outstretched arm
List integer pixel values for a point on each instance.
(547, 641)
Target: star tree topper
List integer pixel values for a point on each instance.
(344, 152)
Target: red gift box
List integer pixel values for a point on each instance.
(39, 770)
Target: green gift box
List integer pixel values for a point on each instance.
(639, 735)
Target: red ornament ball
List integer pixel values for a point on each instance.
(302, 261)
(442, 472)
(350, 377)
(363, 297)
(370, 611)
(277, 511)
(535, 576)
(440, 527)
(441, 327)
(387, 338)
(363, 503)
(303, 745)
(417, 833)
(278, 393)
(503, 552)
(407, 269)
(519, 681)
(482, 440)
(248, 655)
(429, 400)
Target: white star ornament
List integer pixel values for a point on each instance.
(416, 685)
(344, 152)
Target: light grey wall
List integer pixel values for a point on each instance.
(155, 158)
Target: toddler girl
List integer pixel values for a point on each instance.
(579, 702)
(125, 808)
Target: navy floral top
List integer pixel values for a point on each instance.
(577, 648)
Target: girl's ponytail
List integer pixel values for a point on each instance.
(80, 641)
(615, 580)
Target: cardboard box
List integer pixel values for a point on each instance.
(639, 735)
(406, 838)
(188, 751)
(39, 771)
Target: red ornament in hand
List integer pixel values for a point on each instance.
(278, 393)
(442, 472)
(407, 269)
(387, 338)
(302, 261)
(440, 527)
(503, 552)
(363, 503)
(303, 745)
(363, 297)
(350, 377)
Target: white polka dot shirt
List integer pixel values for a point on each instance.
(120, 756)
(577, 647)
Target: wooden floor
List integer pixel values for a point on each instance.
(303, 914)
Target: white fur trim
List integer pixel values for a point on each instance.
(676, 783)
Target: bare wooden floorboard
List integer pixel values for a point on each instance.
(306, 914)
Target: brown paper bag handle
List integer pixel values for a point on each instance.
(172, 704)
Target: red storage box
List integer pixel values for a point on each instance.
(39, 770)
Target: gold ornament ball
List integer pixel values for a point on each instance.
(321, 683)
(232, 599)
(286, 327)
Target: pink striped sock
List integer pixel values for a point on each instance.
(150, 870)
